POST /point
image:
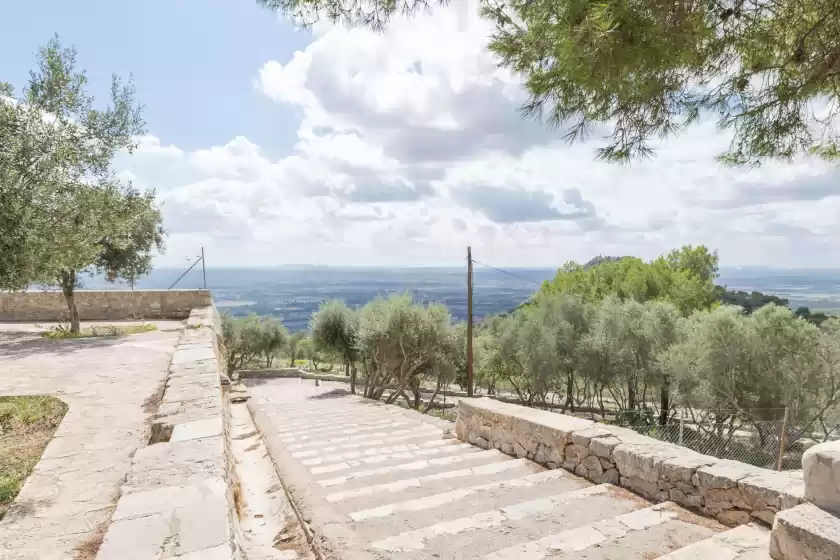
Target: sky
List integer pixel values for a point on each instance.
(272, 145)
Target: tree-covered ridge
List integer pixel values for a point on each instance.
(683, 277)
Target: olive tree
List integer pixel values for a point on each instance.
(335, 329)
(624, 345)
(731, 366)
(400, 343)
(64, 212)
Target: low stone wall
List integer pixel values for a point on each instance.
(178, 498)
(103, 305)
(732, 492)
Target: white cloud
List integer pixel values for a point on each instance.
(410, 147)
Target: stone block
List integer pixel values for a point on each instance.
(603, 446)
(593, 466)
(201, 525)
(584, 437)
(198, 429)
(821, 469)
(772, 490)
(805, 532)
(165, 500)
(724, 474)
(734, 517)
(140, 538)
(610, 476)
(180, 463)
(680, 468)
(643, 461)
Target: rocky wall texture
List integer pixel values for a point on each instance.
(103, 305)
(178, 500)
(732, 492)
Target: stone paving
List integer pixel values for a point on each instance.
(380, 482)
(110, 386)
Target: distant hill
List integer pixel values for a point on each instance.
(595, 261)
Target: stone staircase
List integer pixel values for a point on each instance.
(380, 482)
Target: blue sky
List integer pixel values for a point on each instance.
(193, 61)
(268, 145)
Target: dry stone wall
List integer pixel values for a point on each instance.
(732, 492)
(178, 500)
(103, 305)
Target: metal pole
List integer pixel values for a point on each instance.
(682, 425)
(783, 438)
(469, 322)
(203, 268)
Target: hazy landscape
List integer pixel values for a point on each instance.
(293, 292)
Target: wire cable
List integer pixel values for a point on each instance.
(508, 273)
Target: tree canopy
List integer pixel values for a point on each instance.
(683, 277)
(63, 210)
(768, 71)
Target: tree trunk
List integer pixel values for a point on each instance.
(67, 281)
(570, 385)
(664, 402)
(352, 378)
(631, 395)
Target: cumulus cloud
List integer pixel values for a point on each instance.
(410, 146)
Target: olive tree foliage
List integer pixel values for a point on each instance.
(768, 71)
(401, 343)
(730, 366)
(63, 211)
(335, 329)
(252, 339)
(623, 346)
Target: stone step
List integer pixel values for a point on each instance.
(482, 533)
(385, 459)
(342, 433)
(805, 532)
(747, 542)
(347, 422)
(405, 514)
(419, 486)
(338, 457)
(420, 467)
(365, 438)
(641, 534)
(417, 436)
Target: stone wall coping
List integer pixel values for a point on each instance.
(735, 493)
(102, 305)
(178, 497)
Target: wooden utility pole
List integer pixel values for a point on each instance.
(469, 323)
(203, 268)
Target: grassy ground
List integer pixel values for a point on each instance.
(62, 331)
(26, 426)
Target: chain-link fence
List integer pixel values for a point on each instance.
(771, 444)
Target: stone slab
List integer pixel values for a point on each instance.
(821, 469)
(805, 532)
(212, 427)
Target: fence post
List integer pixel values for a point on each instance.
(682, 425)
(782, 440)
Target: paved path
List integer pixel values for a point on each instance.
(405, 492)
(108, 384)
